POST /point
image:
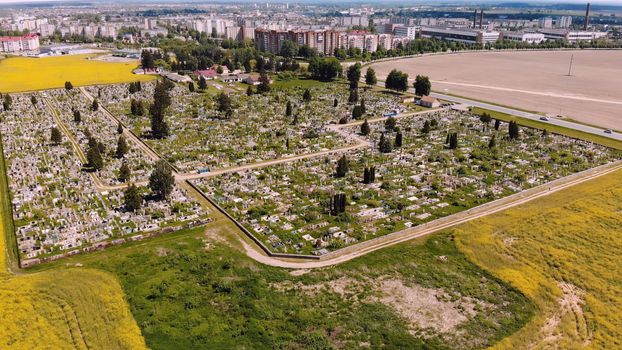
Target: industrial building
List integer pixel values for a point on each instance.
(532, 38)
(469, 36)
(572, 36)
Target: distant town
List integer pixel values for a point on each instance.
(327, 30)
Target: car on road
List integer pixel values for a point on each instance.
(608, 131)
(545, 118)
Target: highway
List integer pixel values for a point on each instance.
(527, 115)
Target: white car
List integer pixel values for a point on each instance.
(545, 118)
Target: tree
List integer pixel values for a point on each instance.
(161, 180)
(338, 204)
(357, 112)
(122, 147)
(354, 75)
(493, 142)
(56, 137)
(426, 127)
(363, 105)
(264, 83)
(369, 175)
(94, 157)
(325, 69)
(249, 91)
(33, 100)
(146, 60)
(7, 103)
(77, 117)
(384, 145)
(422, 85)
(396, 80)
(335, 102)
(497, 124)
(306, 96)
(95, 105)
(370, 77)
(161, 101)
(354, 96)
(68, 85)
(453, 140)
(191, 86)
(390, 123)
(342, 167)
(288, 109)
(398, 139)
(365, 128)
(202, 83)
(514, 130)
(289, 49)
(119, 128)
(224, 105)
(132, 198)
(124, 172)
(485, 118)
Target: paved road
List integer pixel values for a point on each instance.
(527, 115)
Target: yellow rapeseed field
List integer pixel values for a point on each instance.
(69, 308)
(563, 252)
(18, 74)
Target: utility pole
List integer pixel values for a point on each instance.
(570, 67)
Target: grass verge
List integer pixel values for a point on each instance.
(577, 134)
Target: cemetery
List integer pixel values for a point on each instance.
(416, 169)
(56, 207)
(258, 128)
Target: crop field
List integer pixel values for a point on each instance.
(531, 80)
(562, 251)
(28, 74)
(70, 308)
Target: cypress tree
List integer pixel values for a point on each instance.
(365, 128)
(342, 167)
(398, 139)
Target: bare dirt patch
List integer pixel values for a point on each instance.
(570, 307)
(425, 308)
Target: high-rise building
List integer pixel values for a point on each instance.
(565, 22)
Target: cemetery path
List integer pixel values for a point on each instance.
(356, 140)
(126, 131)
(52, 105)
(357, 250)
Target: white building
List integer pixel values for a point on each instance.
(532, 38)
(565, 22)
(408, 32)
(573, 36)
(546, 23)
(469, 36)
(19, 43)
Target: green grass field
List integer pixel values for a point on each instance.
(28, 74)
(191, 290)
